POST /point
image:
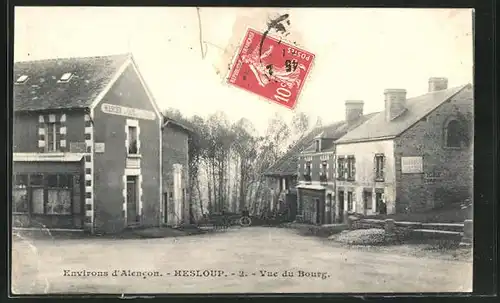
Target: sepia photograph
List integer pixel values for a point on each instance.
(228, 150)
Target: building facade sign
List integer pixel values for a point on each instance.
(99, 147)
(411, 165)
(77, 147)
(127, 111)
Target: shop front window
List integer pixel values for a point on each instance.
(20, 194)
(59, 189)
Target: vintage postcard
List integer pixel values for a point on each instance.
(184, 150)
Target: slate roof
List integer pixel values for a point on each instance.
(417, 108)
(42, 91)
(184, 125)
(335, 131)
(287, 165)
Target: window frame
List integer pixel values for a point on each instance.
(16, 187)
(45, 186)
(55, 128)
(368, 203)
(351, 169)
(64, 79)
(58, 188)
(323, 171)
(132, 144)
(308, 171)
(350, 202)
(379, 167)
(317, 145)
(24, 79)
(447, 134)
(341, 160)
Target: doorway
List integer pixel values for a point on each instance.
(341, 206)
(367, 201)
(132, 201)
(380, 202)
(318, 211)
(330, 210)
(291, 206)
(165, 208)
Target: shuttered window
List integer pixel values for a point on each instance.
(340, 168)
(379, 167)
(351, 168)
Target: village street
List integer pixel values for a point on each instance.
(39, 265)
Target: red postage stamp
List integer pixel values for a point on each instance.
(270, 68)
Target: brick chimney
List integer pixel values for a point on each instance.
(353, 110)
(395, 103)
(437, 83)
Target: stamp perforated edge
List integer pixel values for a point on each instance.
(237, 51)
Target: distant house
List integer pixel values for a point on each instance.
(175, 172)
(282, 176)
(316, 168)
(414, 156)
(87, 141)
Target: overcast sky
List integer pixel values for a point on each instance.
(359, 52)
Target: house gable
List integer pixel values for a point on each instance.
(130, 71)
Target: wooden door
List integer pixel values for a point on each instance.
(341, 206)
(291, 204)
(132, 203)
(318, 211)
(329, 211)
(165, 208)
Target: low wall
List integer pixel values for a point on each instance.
(416, 230)
(316, 230)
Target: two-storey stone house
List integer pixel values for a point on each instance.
(86, 146)
(414, 156)
(282, 176)
(316, 168)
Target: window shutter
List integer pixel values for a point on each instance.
(375, 167)
(138, 139)
(354, 201)
(353, 163)
(346, 168)
(126, 140)
(382, 166)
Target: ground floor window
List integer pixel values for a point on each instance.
(20, 194)
(367, 199)
(349, 201)
(50, 194)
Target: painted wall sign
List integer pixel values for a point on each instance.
(77, 147)
(411, 165)
(99, 147)
(127, 111)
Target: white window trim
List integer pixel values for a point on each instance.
(446, 133)
(22, 79)
(133, 123)
(52, 125)
(61, 80)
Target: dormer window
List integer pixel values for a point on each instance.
(66, 77)
(22, 79)
(318, 145)
(323, 171)
(307, 172)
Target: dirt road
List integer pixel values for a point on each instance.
(242, 260)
